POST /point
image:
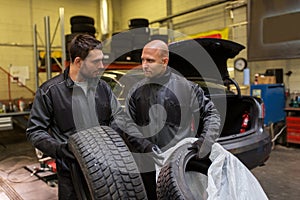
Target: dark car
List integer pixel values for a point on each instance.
(121, 80)
(204, 61)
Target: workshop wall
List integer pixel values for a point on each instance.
(212, 19)
(124, 10)
(18, 16)
(193, 23)
(292, 82)
(231, 16)
(16, 35)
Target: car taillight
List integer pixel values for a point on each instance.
(262, 113)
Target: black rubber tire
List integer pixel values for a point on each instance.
(80, 19)
(107, 165)
(68, 39)
(171, 183)
(83, 28)
(138, 22)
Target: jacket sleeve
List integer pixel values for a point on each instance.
(38, 125)
(122, 122)
(206, 116)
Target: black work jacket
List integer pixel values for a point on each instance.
(51, 119)
(170, 108)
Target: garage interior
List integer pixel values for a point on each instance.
(33, 42)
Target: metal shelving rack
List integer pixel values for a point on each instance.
(48, 45)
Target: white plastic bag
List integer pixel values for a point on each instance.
(229, 178)
(169, 152)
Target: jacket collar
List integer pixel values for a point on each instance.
(163, 78)
(67, 78)
(70, 83)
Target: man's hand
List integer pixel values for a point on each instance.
(203, 149)
(196, 145)
(156, 155)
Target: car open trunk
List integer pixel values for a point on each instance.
(190, 60)
(236, 108)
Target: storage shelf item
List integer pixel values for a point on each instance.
(293, 125)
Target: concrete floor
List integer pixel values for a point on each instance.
(280, 177)
(16, 182)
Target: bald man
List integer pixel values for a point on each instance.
(155, 58)
(168, 108)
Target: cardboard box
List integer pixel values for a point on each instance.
(266, 80)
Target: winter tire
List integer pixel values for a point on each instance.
(138, 22)
(79, 19)
(83, 28)
(68, 39)
(107, 165)
(172, 181)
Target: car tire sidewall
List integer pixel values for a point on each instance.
(79, 19)
(172, 182)
(107, 165)
(83, 28)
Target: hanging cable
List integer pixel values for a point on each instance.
(278, 134)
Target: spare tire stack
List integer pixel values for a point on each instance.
(138, 23)
(139, 27)
(79, 24)
(128, 45)
(83, 24)
(121, 46)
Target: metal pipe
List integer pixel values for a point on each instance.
(105, 18)
(238, 24)
(48, 47)
(169, 21)
(35, 56)
(19, 82)
(54, 34)
(26, 45)
(161, 20)
(62, 37)
(58, 63)
(9, 90)
(104, 26)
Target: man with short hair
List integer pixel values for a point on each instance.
(168, 108)
(73, 101)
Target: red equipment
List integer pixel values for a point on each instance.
(245, 122)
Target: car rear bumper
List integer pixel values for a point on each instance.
(253, 150)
